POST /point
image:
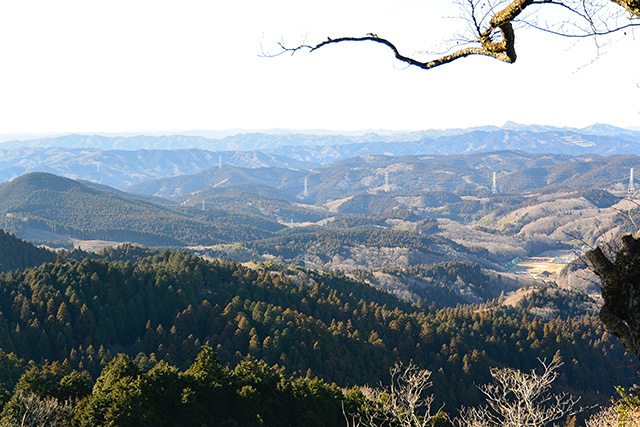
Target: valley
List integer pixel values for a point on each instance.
(369, 213)
(546, 266)
(318, 268)
(363, 213)
(320, 214)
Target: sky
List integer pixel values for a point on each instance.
(170, 66)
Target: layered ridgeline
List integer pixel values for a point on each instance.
(516, 171)
(41, 206)
(125, 167)
(467, 175)
(119, 161)
(371, 230)
(366, 173)
(306, 322)
(251, 218)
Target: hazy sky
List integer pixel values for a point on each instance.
(127, 66)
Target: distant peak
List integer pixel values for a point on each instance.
(512, 125)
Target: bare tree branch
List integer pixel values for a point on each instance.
(492, 52)
(632, 6)
(492, 32)
(583, 35)
(402, 404)
(35, 411)
(518, 399)
(615, 416)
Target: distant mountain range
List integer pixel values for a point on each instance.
(122, 161)
(516, 171)
(122, 168)
(264, 141)
(479, 141)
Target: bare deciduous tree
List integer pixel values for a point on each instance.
(492, 25)
(613, 416)
(34, 411)
(403, 403)
(624, 413)
(518, 399)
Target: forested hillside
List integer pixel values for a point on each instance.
(305, 322)
(540, 201)
(66, 208)
(365, 246)
(130, 393)
(382, 260)
(16, 254)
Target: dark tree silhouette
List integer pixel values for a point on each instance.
(621, 291)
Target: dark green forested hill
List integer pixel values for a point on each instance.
(65, 207)
(305, 322)
(16, 254)
(125, 253)
(132, 393)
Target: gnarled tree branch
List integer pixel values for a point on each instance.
(632, 6)
(493, 28)
(503, 51)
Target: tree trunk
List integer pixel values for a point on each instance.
(621, 291)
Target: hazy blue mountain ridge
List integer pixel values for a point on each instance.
(248, 141)
(415, 173)
(123, 161)
(122, 168)
(556, 142)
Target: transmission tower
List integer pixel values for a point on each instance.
(305, 193)
(219, 161)
(631, 185)
(386, 182)
(494, 185)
